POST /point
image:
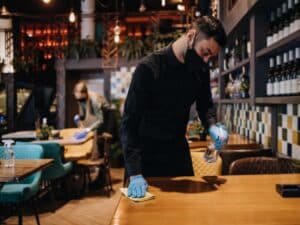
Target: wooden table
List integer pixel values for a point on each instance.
(73, 149)
(235, 141)
(22, 169)
(240, 200)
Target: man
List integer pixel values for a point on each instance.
(163, 87)
(91, 110)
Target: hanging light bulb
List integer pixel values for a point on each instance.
(163, 3)
(4, 11)
(142, 6)
(46, 1)
(72, 16)
(117, 38)
(180, 7)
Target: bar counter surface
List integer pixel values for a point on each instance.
(229, 200)
(235, 141)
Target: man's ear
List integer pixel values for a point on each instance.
(191, 35)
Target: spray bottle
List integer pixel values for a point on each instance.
(211, 153)
(9, 154)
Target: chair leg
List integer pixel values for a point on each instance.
(36, 212)
(20, 214)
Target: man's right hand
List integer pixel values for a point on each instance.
(137, 187)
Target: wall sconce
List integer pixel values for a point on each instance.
(163, 3)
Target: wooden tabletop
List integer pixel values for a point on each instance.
(234, 200)
(22, 169)
(235, 141)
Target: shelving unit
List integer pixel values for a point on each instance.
(253, 16)
(256, 18)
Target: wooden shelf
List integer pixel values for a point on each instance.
(237, 66)
(234, 101)
(216, 101)
(278, 100)
(286, 42)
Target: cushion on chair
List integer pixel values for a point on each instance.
(202, 168)
(261, 165)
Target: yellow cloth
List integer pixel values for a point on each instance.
(148, 196)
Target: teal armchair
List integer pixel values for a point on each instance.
(26, 189)
(58, 169)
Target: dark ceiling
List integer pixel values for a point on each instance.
(63, 6)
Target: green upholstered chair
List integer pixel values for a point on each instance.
(26, 189)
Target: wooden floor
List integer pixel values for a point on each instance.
(95, 208)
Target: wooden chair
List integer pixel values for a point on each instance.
(101, 163)
(261, 165)
(202, 168)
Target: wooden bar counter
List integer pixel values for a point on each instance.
(235, 141)
(230, 200)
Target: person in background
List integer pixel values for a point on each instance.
(164, 86)
(92, 107)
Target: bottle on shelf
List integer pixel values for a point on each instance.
(283, 76)
(244, 83)
(277, 25)
(277, 75)
(295, 17)
(244, 46)
(282, 20)
(270, 80)
(289, 77)
(226, 59)
(271, 29)
(237, 52)
(296, 72)
(286, 21)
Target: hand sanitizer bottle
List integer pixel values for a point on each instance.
(9, 154)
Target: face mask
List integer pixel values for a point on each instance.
(193, 61)
(81, 100)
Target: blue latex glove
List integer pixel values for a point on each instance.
(219, 135)
(76, 119)
(137, 187)
(80, 135)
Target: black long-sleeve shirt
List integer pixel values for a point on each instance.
(160, 95)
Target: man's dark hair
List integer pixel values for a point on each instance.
(211, 27)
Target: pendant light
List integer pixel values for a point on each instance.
(72, 16)
(142, 6)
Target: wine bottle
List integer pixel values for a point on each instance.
(297, 66)
(290, 14)
(289, 78)
(244, 52)
(295, 16)
(270, 80)
(277, 74)
(276, 25)
(271, 29)
(237, 51)
(294, 72)
(282, 80)
(284, 27)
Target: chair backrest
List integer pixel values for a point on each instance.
(261, 165)
(228, 156)
(202, 168)
(51, 151)
(106, 138)
(27, 152)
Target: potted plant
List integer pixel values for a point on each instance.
(196, 131)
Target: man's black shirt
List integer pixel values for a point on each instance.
(157, 107)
